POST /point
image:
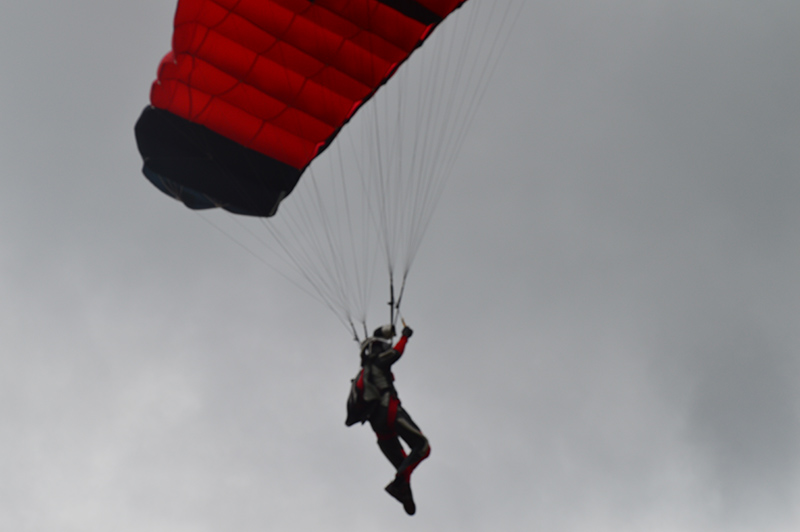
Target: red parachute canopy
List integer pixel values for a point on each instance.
(253, 90)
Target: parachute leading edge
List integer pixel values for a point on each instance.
(254, 90)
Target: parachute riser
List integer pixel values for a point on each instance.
(391, 303)
(394, 304)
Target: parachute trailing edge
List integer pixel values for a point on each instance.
(254, 90)
(204, 169)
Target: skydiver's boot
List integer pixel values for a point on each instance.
(400, 489)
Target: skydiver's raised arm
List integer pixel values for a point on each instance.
(390, 356)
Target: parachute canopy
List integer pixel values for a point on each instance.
(254, 90)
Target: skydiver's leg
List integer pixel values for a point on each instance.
(392, 449)
(388, 423)
(405, 427)
(387, 437)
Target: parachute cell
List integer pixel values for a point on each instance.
(254, 90)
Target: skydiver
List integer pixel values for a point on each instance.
(373, 397)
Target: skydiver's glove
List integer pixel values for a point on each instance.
(407, 332)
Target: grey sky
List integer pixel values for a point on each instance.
(606, 304)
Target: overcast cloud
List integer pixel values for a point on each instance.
(607, 303)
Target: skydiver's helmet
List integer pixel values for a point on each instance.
(379, 342)
(386, 332)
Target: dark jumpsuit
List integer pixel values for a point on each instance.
(389, 420)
